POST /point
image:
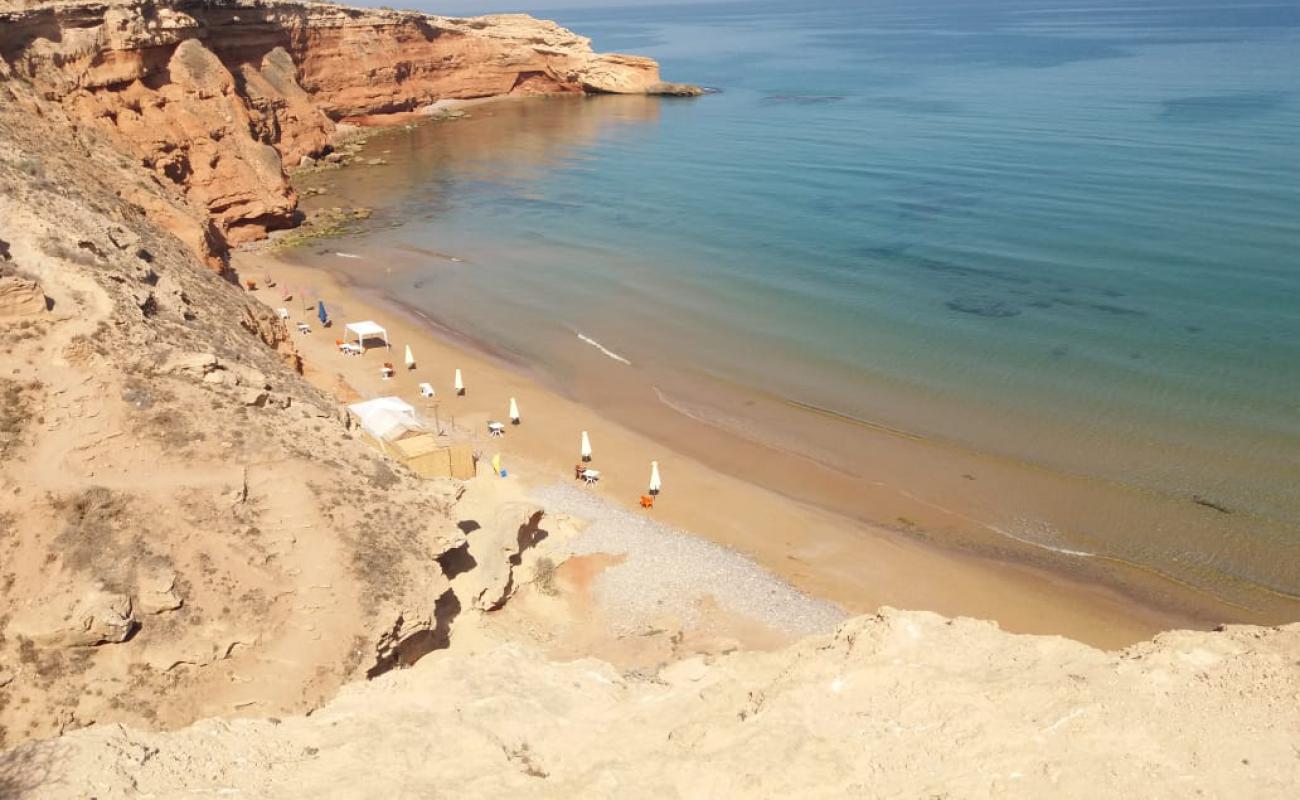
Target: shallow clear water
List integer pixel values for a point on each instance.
(1065, 234)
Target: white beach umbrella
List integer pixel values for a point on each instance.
(586, 447)
(514, 411)
(654, 477)
(410, 358)
(459, 383)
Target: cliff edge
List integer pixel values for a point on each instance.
(218, 97)
(903, 704)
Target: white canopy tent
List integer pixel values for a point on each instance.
(386, 418)
(367, 330)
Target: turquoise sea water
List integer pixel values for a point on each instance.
(1067, 234)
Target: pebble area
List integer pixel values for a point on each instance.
(667, 570)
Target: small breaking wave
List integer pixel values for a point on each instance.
(602, 348)
(1043, 545)
(347, 255)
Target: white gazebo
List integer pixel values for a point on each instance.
(367, 330)
(386, 418)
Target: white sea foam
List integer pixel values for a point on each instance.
(347, 255)
(602, 348)
(1043, 530)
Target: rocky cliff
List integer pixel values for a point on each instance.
(218, 96)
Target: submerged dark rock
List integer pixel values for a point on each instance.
(667, 89)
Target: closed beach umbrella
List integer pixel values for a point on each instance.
(586, 447)
(410, 358)
(320, 312)
(514, 411)
(496, 463)
(654, 477)
(459, 384)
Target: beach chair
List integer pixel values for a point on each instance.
(578, 469)
(283, 313)
(647, 501)
(426, 390)
(387, 370)
(496, 429)
(590, 476)
(251, 284)
(304, 327)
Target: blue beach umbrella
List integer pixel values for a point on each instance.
(320, 312)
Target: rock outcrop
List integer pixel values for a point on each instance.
(217, 96)
(20, 297)
(75, 617)
(900, 704)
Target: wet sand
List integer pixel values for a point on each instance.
(824, 554)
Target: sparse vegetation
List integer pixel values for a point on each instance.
(56, 247)
(17, 399)
(544, 576)
(88, 533)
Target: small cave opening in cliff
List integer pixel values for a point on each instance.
(535, 82)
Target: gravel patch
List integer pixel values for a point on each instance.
(669, 570)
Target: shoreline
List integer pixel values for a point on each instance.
(999, 502)
(824, 554)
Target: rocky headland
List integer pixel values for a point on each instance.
(218, 98)
(210, 585)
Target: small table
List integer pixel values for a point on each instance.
(496, 429)
(590, 476)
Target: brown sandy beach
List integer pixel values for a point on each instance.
(826, 555)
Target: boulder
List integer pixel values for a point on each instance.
(247, 376)
(75, 617)
(20, 297)
(156, 592)
(667, 89)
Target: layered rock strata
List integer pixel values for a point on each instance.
(218, 96)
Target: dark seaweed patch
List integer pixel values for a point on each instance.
(949, 268)
(983, 307)
(1219, 507)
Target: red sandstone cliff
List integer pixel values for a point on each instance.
(218, 96)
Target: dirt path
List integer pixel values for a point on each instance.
(314, 612)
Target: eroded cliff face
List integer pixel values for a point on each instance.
(219, 96)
